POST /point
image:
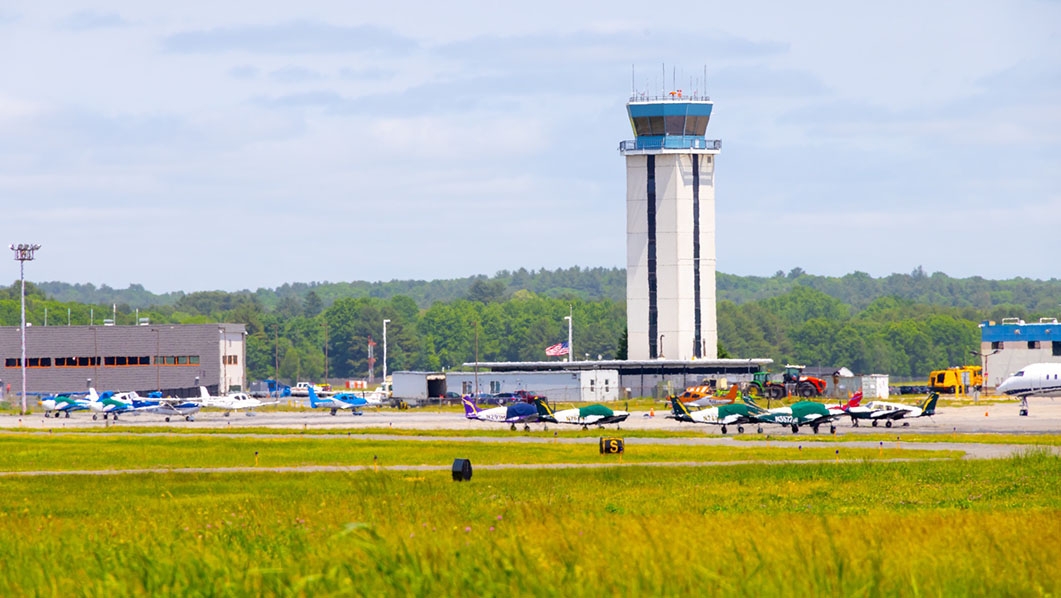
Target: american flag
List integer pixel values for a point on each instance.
(558, 349)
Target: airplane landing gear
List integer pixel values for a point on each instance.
(723, 429)
(906, 424)
(526, 427)
(832, 429)
(888, 424)
(189, 418)
(167, 419)
(333, 411)
(93, 417)
(228, 413)
(740, 429)
(512, 427)
(854, 423)
(759, 430)
(795, 428)
(815, 428)
(874, 423)
(67, 415)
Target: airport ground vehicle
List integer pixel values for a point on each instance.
(956, 380)
(793, 383)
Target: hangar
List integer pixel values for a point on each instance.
(644, 378)
(173, 358)
(1009, 346)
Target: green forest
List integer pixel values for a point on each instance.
(904, 325)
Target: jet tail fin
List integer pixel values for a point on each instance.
(731, 396)
(679, 408)
(753, 407)
(544, 411)
(929, 406)
(203, 393)
(470, 410)
(314, 400)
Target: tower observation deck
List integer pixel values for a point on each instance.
(670, 228)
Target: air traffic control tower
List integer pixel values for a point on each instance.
(670, 229)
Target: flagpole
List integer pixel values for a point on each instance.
(570, 347)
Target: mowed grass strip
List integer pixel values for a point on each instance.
(59, 452)
(487, 430)
(556, 431)
(927, 528)
(1031, 439)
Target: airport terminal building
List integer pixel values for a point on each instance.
(173, 358)
(1011, 345)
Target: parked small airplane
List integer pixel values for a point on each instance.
(112, 403)
(169, 406)
(736, 414)
(875, 411)
(801, 413)
(712, 400)
(516, 413)
(590, 415)
(342, 400)
(233, 401)
(64, 403)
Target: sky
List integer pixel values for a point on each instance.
(236, 145)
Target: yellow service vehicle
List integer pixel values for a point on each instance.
(956, 380)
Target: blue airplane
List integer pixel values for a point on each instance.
(342, 400)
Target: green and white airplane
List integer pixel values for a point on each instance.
(802, 413)
(590, 415)
(733, 414)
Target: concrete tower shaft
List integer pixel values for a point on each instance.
(670, 277)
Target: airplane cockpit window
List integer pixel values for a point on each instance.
(1018, 374)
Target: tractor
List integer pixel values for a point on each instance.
(794, 383)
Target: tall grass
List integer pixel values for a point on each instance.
(935, 528)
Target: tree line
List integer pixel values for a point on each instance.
(307, 332)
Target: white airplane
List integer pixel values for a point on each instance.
(233, 401)
(875, 411)
(1037, 379)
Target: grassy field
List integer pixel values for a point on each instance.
(65, 452)
(970, 528)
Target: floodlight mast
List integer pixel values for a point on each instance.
(24, 253)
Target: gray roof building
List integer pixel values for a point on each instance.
(173, 358)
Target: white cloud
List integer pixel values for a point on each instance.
(413, 124)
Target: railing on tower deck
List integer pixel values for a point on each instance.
(675, 96)
(670, 142)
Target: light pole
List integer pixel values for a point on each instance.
(983, 371)
(158, 374)
(385, 322)
(24, 253)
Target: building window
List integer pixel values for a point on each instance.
(1057, 347)
(11, 362)
(997, 346)
(495, 386)
(1033, 344)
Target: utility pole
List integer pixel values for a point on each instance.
(24, 253)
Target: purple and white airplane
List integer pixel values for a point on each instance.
(516, 413)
